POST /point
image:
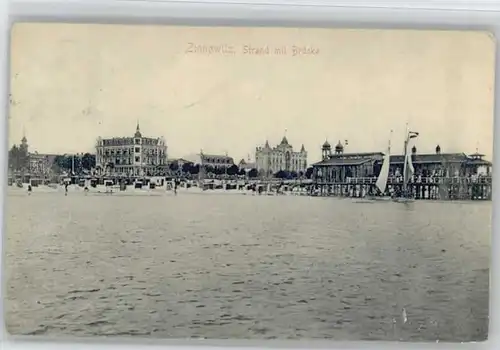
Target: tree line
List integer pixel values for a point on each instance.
(80, 163)
(19, 161)
(290, 175)
(194, 169)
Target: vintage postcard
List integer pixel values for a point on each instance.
(249, 183)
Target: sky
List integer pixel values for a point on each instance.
(71, 83)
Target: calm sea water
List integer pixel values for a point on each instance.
(263, 267)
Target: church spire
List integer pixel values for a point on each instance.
(138, 130)
(24, 142)
(24, 139)
(284, 141)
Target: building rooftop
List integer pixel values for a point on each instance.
(170, 160)
(216, 156)
(360, 158)
(439, 158)
(197, 158)
(343, 161)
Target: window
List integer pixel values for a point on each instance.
(137, 159)
(137, 149)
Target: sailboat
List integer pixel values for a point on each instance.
(383, 176)
(408, 170)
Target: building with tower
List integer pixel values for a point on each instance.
(269, 160)
(29, 165)
(26, 166)
(135, 155)
(326, 149)
(443, 164)
(339, 167)
(24, 144)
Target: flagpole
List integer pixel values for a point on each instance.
(405, 160)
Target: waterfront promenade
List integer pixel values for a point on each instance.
(423, 188)
(430, 188)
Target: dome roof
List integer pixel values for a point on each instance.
(284, 141)
(326, 144)
(339, 146)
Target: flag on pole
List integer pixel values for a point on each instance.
(413, 134)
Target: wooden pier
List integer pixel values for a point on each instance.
(430, 188)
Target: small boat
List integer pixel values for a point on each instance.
(381, 183)
(383, 176)
(408, 170)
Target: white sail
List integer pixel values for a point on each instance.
(384, 172)
(408, 169)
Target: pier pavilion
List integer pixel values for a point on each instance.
(437, 175)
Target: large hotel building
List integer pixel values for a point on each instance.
(282, 157)
(131, 156)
